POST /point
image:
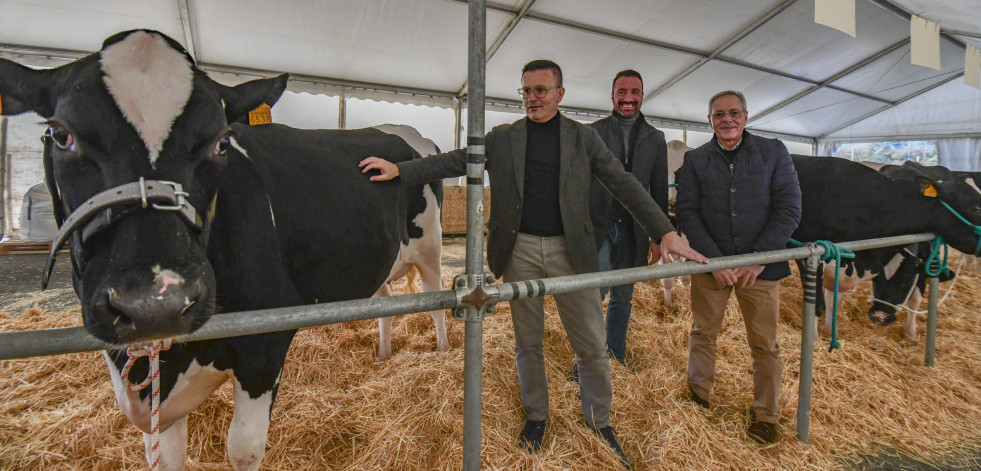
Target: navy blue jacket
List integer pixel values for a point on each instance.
(754, 206)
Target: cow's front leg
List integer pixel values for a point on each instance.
(909, 329)
(249, 429)
(173, 446)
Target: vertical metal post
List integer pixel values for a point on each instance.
(5, 213)
(931, 340)
(473, 336)
(808, 328)
(457, 121)
(342, 110)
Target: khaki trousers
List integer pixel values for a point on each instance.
(760, 307)
(581, 313)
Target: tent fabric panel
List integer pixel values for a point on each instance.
(959, 15)
(420, 44)
(688, 99)
(815, 113)
(588, 61)
(952, 108)
(792, 42)
(893, 77)
(307, 111)
(962, 154)
(433, 123)
(81, 25)
(698, 24)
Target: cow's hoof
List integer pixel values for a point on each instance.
(882, 319)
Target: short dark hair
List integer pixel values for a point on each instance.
(742, 99)
(544, 64)
(627, 73)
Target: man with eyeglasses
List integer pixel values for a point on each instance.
(540, 170)
(642, 150)
(738, 194)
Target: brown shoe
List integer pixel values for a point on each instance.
(762, 432)
(692, 396)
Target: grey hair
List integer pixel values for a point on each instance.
(742, 99)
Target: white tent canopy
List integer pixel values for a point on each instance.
(803, 81)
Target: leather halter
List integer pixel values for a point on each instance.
(99, 212)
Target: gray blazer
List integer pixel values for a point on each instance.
(583, 155)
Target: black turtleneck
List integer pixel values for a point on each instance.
(541, 215)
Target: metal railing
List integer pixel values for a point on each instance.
(480, 301)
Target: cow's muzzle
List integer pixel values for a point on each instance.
(154, 311)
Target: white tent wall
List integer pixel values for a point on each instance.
(24, 146)
(307, 111)
(804, 82)
(960, 154)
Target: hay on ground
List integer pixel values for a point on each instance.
(338, 408)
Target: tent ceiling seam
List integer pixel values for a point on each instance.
(766, 17)
(915, 94)
(514, 18)
(853, 68)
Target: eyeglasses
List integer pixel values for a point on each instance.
(735, 114)
(539, 92)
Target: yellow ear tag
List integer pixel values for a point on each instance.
(930, 191)
(1, 104)
(261, 115)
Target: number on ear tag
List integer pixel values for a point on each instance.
(261, 115)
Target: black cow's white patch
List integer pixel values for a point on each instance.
(151, 83)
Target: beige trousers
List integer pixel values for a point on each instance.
(581, 313)
(760, 307)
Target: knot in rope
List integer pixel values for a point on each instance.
(152, 352)
(933, 258)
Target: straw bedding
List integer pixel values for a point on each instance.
(340, 409)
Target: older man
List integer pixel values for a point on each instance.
(540, 167)
(738, 194)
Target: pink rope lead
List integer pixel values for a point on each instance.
(152, 351)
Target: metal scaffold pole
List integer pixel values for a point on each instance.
(474, 278)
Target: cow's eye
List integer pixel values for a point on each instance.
(63, 138)
(222, 144)
(221, 147)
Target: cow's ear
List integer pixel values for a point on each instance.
(24, 89)
(241, 99)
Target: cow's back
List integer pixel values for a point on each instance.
(327, 213)
(839, 199)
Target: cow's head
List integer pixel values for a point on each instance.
(959, 210)
(136, 143)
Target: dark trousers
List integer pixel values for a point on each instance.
(617, 252)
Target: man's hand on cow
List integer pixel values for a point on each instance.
(388, 170)
(725, 277)
(653, 253)
(748, 274)
(672, 243)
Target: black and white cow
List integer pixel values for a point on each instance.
(176, 215)
(844, 201)
(904, 289)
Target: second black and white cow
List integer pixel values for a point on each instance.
(175, 214)
(844, 201)
(423, 249)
